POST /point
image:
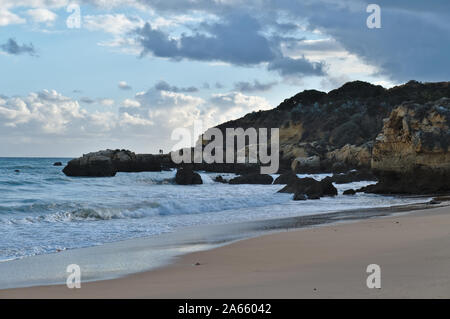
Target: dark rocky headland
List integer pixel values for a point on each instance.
(401, 135)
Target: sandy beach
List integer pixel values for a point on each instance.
(321, 262)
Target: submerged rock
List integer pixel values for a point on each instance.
(186, 176)
(252, 179)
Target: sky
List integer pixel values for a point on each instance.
(132, 71)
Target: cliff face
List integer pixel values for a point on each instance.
(411, 154)
(335, 131)
(414, 136)
(338, 126)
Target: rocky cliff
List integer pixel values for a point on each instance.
(411, 154)
(334, 131)
(328, 132)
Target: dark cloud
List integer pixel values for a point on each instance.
(325, 45)
(12, 47)
(412, 43)
(164, 86)
(296, 67)
(253, 87)
(236, 40)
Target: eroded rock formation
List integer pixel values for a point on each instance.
(411, 154)
(108, 162)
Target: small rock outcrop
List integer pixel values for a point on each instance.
(411, 154)
(186, 176)
(252, 179)
(300, 196)
(309, 187)
(286, 178)
(349, 192)
(352, 176)
(108, 162)
(98, 164)
(220, 179)
(57, 164)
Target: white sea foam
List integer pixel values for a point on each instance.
(46, 211)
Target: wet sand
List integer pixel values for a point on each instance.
(321, 262)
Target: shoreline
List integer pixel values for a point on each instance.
(260, 230)
(118, 259)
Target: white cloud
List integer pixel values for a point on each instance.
(116, 24)
(233, 105)
(42, 15)
(143, 124)
(49, 112)
(130, 103)
(124, 85)
(7, 17)
(106, 102)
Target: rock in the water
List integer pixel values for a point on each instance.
(252, 179)
(353, 176)
(109, 162)
(349, 192)
(297, 185)
(286, 178)
(299, 196)
(186, 176)
(57, 164)
(328, 188)
(98, 164)
(411, 154)
(310, 187)
(220, 179)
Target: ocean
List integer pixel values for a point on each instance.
(42, 211)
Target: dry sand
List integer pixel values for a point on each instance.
(412, 250)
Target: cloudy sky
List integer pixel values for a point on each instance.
(136, 69)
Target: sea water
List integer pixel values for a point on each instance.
(43, 211)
